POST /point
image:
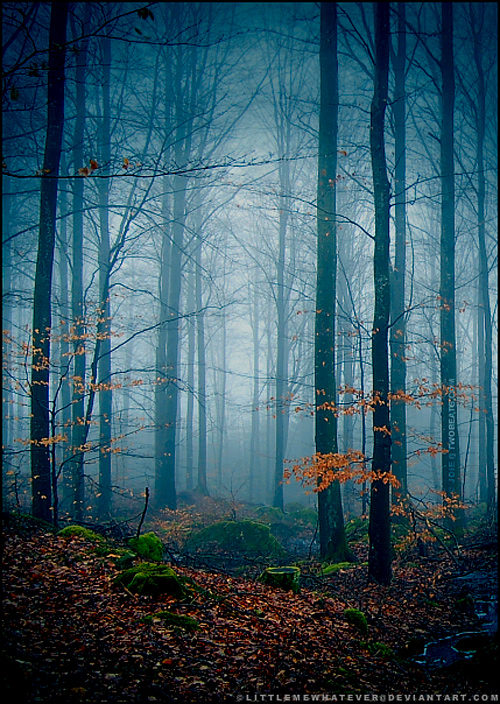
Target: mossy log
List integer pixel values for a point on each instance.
(286, 578)
(149, 579)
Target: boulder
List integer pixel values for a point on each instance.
(151, 579)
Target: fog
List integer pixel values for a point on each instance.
(181, 288)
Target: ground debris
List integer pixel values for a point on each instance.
(69, 636)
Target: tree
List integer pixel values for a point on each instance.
(450, 465)
(42, 318)
(487, 457)
(77, 280)
(104, 313)
(333, 545)
(379, 563)
(398, 326)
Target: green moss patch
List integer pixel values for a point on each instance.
(357, 619)
(332, 569)
(71, 531)
(151, 579)
(148, 546)
(187, 623)
(245, 537)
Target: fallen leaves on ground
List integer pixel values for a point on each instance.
(70, 636)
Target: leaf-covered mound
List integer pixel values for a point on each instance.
(69, 636)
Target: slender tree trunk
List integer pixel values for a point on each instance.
(449, 423)
(7, 313)
(42, 319)
(164, 278)
(64, 409)
(333, 544)
(379, 563)
(281, 342)
(255, 430)
(78, 326)
(191, 351)
(202, 391)
(270, 454)
(105, 391)
(487, 483)
(398, 329)
(221, 406)
(165, 479)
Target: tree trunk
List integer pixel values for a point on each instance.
(487, 477)
(64, 402)
(398, 328)
(333, 545)
(78, 326)
(191, 351)
(163, 286)
(105, 391)
(450, 465)
(255, 430)
(42, 319)
(379, 563)
(281, 343)
(184, 92)
(202, 486)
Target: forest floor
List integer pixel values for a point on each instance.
(70, 636)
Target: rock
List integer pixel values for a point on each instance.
(151, 579)
(148, 546)
(247, 538)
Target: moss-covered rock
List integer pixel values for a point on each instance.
(286, 578)
(151, 579)
(148, 546)
(357, 619)
(81, 531)
(187, 623)
(245, 537)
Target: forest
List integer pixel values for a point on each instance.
(249, 371)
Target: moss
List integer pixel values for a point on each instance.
(268, 514)
(148, 546)
(381, 650)
(286, 578)
(304, 515)
(25, 523)
(151, 579)
(123, 559)
(176, 620)
(357, 619)
(71, 531)
(245, 537)
(332, 569)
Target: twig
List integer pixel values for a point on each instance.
(143, 513)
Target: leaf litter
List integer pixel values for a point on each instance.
(70, 636)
